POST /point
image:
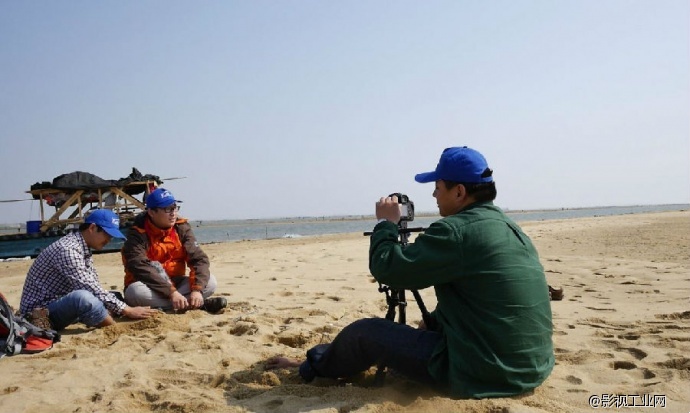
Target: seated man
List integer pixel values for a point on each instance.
(491, 332)
(156, 254)
(62, 286)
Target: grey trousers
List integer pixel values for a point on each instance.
(139, 294)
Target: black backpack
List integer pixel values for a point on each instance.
(17, 335)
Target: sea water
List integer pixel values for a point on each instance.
(237, 230)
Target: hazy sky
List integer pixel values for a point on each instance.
(312, 108)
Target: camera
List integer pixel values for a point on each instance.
(406, 207)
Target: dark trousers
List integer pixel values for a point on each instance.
(371, 341)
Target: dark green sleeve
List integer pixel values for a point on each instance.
(421, 264)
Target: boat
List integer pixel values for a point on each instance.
(66, 201)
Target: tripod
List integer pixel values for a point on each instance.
(396, 300)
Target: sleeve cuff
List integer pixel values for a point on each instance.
(382, 223)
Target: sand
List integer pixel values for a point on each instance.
(621, 334)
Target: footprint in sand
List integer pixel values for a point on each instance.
(244, 329)
(293, 340)
(681, 363)
(625, 365)
(10, 389)
(645, 373)
(317, 312)
(629, 336)
(326, 329)
(636, 352)
(685, 315)
(573, 380)
(648, 374)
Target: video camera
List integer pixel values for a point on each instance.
(406, 207)
(406, 215)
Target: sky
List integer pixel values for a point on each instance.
(311, 108)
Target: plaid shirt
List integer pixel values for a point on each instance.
(65, 266)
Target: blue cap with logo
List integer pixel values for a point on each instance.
(107, 220)
(459, 164)
(160, 198)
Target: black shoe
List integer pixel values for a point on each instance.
(555, 294)
(215, 305)
(117, 295)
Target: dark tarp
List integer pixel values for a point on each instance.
(83, 180)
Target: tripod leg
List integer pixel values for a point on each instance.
(426, 316)
(402, 305)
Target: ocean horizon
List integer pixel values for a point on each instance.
(208, 231)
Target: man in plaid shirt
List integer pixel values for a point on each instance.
(64, 281)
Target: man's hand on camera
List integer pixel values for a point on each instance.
(388, 208)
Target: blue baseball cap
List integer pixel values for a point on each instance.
(108, 220)
(160, 198)
(459, 164)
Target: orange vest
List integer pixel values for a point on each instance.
(165, 247)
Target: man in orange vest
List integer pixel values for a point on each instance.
(158, 250)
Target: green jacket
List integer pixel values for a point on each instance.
(493, 300)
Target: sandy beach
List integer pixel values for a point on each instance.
(621, 333)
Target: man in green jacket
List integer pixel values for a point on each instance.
(492, 328)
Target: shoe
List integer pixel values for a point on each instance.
(215, 305)
(306, 372)
(555, 294)
(40, 318)
(117, 295)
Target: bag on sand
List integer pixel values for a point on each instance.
(17, 335)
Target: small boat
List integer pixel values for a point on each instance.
(67, 200)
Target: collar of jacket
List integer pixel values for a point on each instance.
(476, 204)
(142, 223)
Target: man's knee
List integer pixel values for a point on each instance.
(91, 310)
(367, 324)
(84, 299)
(210, 287)
(137, 293)
(363, 328)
